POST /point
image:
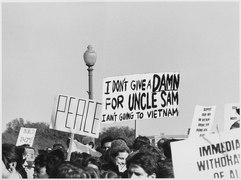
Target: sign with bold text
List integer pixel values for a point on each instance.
(76, 115)
(140, 96)
(26, 136)
(202, 120)
(214, 156)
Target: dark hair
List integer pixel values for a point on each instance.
(109, 174)
(41, 160)
(66, 170)
(155, 151)
(139, 142)
(146, 161)
(54, 158)
(77, 158)
(94, 173)
(92, 160)
(11, 153)
(167, 147)
(106, 139)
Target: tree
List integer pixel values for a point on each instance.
(46, 137)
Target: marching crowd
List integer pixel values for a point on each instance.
(142, 160)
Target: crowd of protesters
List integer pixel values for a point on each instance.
(142, 160)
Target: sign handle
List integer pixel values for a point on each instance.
(70, 146)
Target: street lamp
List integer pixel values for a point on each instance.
(90, 59)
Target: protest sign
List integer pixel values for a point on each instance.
(76, 115)
(30, 154)
(209, 157)
(26, 136)
(231, 116)
(202, 120)
(140, 96)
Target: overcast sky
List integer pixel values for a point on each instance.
(43, 46)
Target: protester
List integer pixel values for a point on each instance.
(93, 162)
(105, 146)
(109, 174)
(13, 161)
(67, 170)
(54, 158)
(106, 143)
(118, 154)
(139, 142)
(40, 165)
(142, 165)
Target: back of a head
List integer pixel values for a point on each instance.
(118, 146)
(146, 161)
(150, 149)
(41, 160)
(139, 142)
(167, 147)
(66, 170)
(109, 174)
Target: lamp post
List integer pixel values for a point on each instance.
(90, 59)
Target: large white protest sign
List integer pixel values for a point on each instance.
(209, 157)
(76, 115)
(140, 96)
(26, 136)
(231, 116)
(202, 120)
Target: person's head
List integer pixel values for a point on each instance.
(109, 174)
(93, 162)
(54, 158)
(40, 164)
(12, 158)
(58, 146)
(153, 150)
(139, 142)
(119, 152)
(167, 148)
(106, 143)
(142, 165)
(66, 169)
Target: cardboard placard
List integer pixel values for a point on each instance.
(202, 120)
(26, 136)
(76, 115)
(209, 157)
(140, 96)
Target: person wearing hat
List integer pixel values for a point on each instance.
(118, 153)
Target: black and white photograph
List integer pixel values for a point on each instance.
(120, 89)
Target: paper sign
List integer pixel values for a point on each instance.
(214, 156)
(26, 136)
(76, 115)
(231, 116)
(140, 96)
(202, 120)
(30, 154)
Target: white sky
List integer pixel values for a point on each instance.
(43, 46)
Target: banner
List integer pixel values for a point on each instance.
(26, 136)
(76, 115)
(231, 116)
(209, 157)
(140, 96)
(202, 120)
(79, 147)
